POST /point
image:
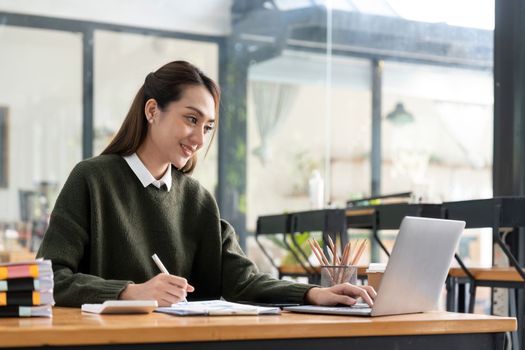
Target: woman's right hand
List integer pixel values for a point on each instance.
(166, 289)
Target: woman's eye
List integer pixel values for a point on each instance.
(207, 129)
(192, 120)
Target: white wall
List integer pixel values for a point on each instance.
(207, 17)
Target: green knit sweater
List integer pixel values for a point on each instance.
(105, 226)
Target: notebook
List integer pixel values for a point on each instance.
(26, 311)
(26, 284)
(121, 307)
(415, 273)
(26, 298)
(38, 268)
(216, 308)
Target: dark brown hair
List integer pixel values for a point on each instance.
(165, 85)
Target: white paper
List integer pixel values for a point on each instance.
(217, 308)
(121, 307)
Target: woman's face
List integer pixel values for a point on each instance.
(182, 127)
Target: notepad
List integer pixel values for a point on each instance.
(121, 307)
(216, 308)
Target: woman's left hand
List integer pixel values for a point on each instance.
(344, 293)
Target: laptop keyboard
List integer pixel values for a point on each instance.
(359, 309)
(343, 309)
(359, 306)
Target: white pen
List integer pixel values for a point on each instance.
(162, 268)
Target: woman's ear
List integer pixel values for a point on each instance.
(150, 110)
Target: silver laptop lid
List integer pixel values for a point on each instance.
(418, 266)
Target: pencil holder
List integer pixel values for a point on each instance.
(337, 274)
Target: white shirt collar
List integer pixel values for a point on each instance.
(145, 176)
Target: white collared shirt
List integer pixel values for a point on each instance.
(145, 176)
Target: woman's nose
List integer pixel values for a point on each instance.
(198, 136)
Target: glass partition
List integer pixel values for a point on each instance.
(287, 136)
(424, 71)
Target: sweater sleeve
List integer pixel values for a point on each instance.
(243, 282)
(67, 243)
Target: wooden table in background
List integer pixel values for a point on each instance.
(434, 330)
(507, 274)
(298, 270)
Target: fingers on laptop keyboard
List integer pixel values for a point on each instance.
(371, 291)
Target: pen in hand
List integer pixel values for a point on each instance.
(163, 269)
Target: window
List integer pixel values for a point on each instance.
(41, 90)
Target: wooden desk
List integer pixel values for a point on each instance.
(436, 330)
(505, 274)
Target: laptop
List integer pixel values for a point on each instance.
(415, 273)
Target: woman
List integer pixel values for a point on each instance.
(136, 199)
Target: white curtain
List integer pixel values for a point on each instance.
(273, 102)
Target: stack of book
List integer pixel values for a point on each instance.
(26, 289)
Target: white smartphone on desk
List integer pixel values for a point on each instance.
(121, 307)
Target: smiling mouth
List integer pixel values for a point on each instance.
(187, 150)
